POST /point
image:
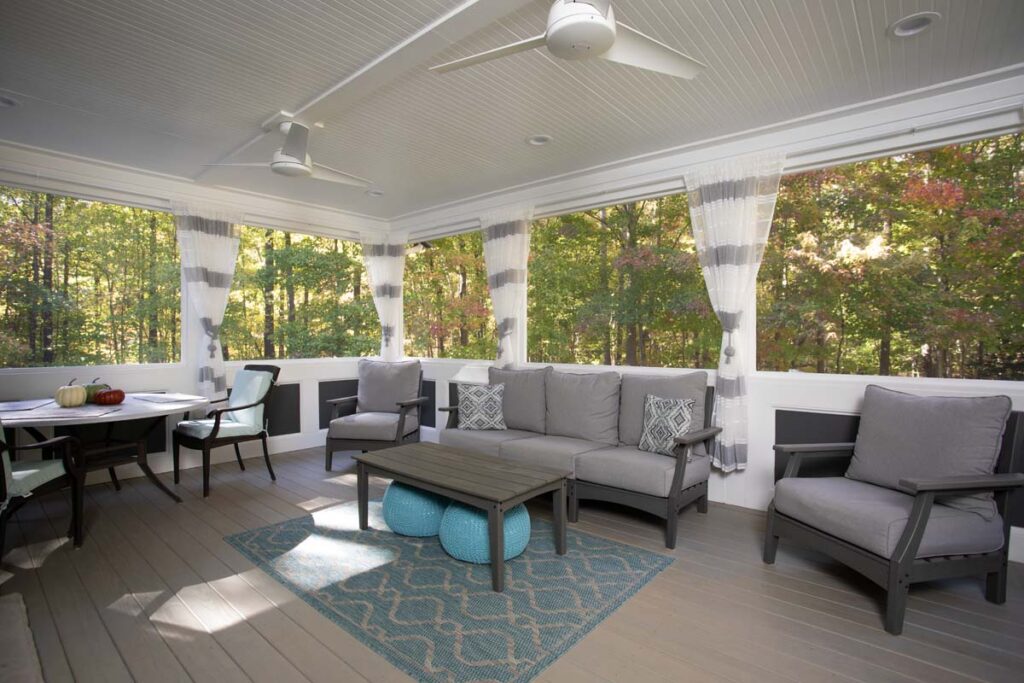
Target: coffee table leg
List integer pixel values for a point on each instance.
(496, 534)
(558, 499)
(362, 489)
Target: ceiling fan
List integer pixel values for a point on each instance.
(293, 160)
(582, 29)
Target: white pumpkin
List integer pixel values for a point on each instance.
(70, 396)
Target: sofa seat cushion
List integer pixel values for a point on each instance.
(200, 429)
(628, 467)
(547, 451)
(370, 426)
(903, 436)
(873, 517)
(485, 442)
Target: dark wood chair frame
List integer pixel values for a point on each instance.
(667, 508)
(212, 440)
(346, 405)
(73, 477)
(896, 574)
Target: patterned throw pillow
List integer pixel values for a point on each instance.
(480, 406)
(664, 420)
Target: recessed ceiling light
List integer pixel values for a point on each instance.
(912, 24)
(538, 140)
(6, 102)
(375, 193)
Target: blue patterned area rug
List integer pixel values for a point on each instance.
(436, 618)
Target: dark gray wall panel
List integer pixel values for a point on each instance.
(338, 388)
(285, 412)
(430, 409)
(798, 426)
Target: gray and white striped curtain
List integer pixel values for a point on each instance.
(731, 208)
(506, 253)
(209, 248)
(384, 259)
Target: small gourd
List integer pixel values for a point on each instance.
(70, 396)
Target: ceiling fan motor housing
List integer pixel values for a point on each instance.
(577, 30)
(290, 166)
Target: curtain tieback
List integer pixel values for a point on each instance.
(213, 332)
(730, 324)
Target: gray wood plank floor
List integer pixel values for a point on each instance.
(155, 594)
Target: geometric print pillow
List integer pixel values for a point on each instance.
(480, 406)
(664, 420)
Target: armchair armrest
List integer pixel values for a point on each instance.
(449, 409)
(49, 443)
(413, 402)
(453, 416)
(831, 448)
(802, 452)
(964, 484)
(347, 403)
(68, 451)
(693, 438)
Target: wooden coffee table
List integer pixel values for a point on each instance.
(485, 482)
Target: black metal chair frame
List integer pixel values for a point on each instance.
(667, 508)
(896, 574)
(212, 440)
(73, 477)
(340, 407)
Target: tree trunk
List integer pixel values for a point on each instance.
(48, 283)
(152, 336)
(463, 326)
(289, 282)
(268, 296)
(33, 304)
(885, 352)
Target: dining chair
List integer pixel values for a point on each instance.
(244, 419)
(26, 478)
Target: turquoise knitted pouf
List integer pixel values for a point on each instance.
(408, 511)
(464, 533)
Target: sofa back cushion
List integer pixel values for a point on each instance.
(524, 404)
(583, 406)
(903, 436)
(636, 388)
(382, 385)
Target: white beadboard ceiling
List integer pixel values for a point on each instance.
(169, 85)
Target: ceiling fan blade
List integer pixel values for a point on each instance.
(521, 46)
(260, 164)
(295, 141)
(636, 49)
(333, 175)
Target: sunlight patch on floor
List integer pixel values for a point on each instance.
(318, 503)
(321, 561)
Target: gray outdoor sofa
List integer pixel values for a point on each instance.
(590, 424)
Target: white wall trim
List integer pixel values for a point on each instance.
(46, 171)
(986, 104)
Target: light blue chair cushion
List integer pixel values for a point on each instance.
(250, 386)
(201, 429)
(26, 475)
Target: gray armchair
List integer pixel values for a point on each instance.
(385, 412)
(924, 495)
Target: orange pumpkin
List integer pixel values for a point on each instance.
(108, 397)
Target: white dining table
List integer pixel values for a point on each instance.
(32, 415)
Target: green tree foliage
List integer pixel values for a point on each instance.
(298, 296)
(909, 265)
(447, 304)
(620, 286)
(85, 283)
